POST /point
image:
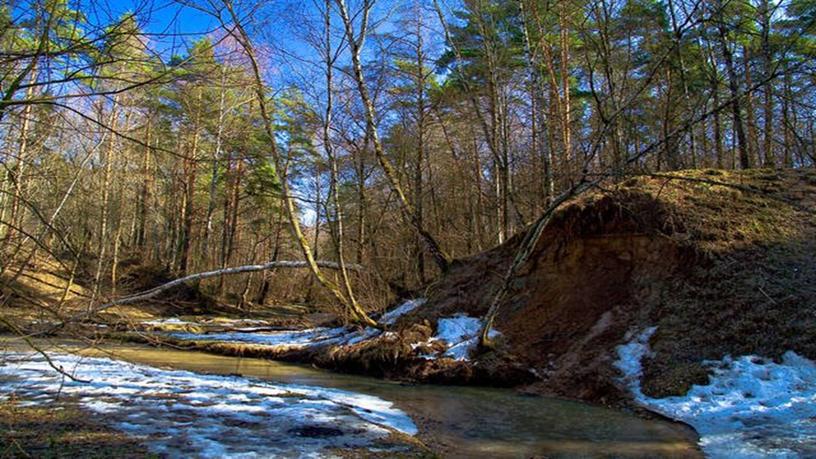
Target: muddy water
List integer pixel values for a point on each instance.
(460, 421)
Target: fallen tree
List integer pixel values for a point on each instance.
(147, 294)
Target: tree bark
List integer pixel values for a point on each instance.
(152, 293)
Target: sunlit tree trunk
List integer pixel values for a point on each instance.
(355, 45)
(102, 232)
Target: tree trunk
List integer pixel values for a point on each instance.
(216, 157)
(420, 155)
(20, 182)
(355, 45)
(733, 87)
(104, 204)
(768, 105)
(753, 136)
(242, 37)
(144, 195)
(190, 170)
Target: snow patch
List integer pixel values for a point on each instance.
(391, 316)
(299, 339)
(295, 339)
(630, 357)
(290, 339)
(183, 414)
(752, 407)
(461, 335)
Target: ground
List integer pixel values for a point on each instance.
(720, 262)
(61, 430)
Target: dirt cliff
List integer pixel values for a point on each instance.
(721, 262)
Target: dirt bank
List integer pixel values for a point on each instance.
(721, 262)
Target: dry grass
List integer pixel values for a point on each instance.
(61, 430)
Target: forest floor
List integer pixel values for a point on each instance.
(61, 430)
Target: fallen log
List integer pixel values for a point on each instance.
(147, 294)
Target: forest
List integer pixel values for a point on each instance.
(608, 201)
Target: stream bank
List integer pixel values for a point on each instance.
(451, 421)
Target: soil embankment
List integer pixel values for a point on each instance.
(720, 262)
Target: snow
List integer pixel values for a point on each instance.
(205, 322)
(752, 407)
(630, 356)
(368, 407)
(390, 317)
(299, 339)
(461, 335)
(183, 414)
(457, 328)
(293, 338)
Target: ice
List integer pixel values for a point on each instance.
(752, 407)
(182, 414)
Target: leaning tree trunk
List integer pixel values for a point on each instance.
(355, 45)
(243, 39)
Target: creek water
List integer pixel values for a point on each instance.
(454, 421)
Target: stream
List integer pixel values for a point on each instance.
(454, 421)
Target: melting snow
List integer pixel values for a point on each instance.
(391, 316)
(298, 339)
(182, 413)
(207, 322)
(460, 333)
(751, 408)
(294, 339)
